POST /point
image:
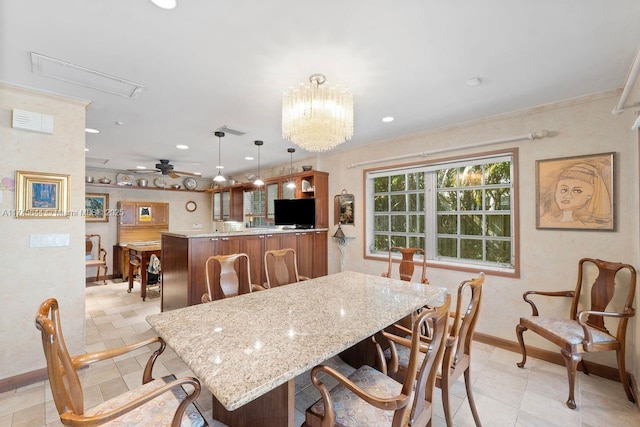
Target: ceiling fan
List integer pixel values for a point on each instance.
(166, 169)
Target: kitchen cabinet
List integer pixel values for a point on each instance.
(228, 203)
(184, 258)
(144, 214)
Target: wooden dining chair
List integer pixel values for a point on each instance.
(281, 267)
(156, 402)
(224, 275)
(370, 398)
(585, 331)
(407, 264)
(96, 256)
(457, 355)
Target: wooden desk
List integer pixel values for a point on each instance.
(140, 255)
(247, 350)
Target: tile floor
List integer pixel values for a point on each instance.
(505, 395)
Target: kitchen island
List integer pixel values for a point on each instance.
(184, 255)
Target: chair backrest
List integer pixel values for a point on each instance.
(407, 266)
(281, 267)
(465, 317)
(65, 383)
(93, 246)
(423, 376)
(603, 290)
(223, 272)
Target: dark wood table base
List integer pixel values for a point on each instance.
(140, 256)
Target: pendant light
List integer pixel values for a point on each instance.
(258, 181)
(291, 183)
(219, 177)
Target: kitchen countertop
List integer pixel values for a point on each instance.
(246, 232)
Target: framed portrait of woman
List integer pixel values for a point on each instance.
(576, 193)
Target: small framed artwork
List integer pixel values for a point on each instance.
(96, 207)
(42, 195)
(576, 193)
(344, 208)
(144, 214)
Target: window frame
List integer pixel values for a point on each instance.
(431, 218)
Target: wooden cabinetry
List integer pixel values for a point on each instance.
(228, 203)
(144, 214)
(184, 260)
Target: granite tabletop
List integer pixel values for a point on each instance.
(244, 346)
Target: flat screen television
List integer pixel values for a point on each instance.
(298, 213)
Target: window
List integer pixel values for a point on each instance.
(460, 212)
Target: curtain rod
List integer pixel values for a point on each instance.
(628, 85)
(530, 136)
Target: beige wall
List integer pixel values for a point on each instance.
(548, 258)
(30, 275)
(179, 218)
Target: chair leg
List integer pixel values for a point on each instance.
(571, 360)
(444, 386)
(519, 330)
(472, 403)
(624, 378)
(104, 277)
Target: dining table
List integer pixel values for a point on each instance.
(248, 349)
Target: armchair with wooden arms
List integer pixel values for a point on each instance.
(225, 273)
(156, 402)
(95, 255)
(370, 398)
(281, 267)
(457, 354)
(584, 331)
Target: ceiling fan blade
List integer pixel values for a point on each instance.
(187, 173)
(143, 170)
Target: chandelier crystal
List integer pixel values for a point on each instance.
(316, 117)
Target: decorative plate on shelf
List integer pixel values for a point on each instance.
(123, 179)
(190, 183)
(160, 182)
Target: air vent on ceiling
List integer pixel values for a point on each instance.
(96, 160)
(227, 129)
(68, 72)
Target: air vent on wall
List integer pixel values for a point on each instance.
(35, 122)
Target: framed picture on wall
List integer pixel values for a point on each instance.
(96, 207)
(42, 195)
(575, 193)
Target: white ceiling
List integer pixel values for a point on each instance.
(210, 63)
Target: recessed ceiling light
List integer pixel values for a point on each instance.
(86, 149)
(474, 81)
(248, 158)
(388, 119)
(89, 130)
(119, 123)
(198, 173)
(165, 4)
(182, 147)
(140, 167)
(219, 167)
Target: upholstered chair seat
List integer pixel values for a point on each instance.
(351, 410)
(568, 330)
(158, 412)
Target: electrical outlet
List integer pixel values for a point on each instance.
(196, 226)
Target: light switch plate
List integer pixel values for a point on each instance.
(48, 240)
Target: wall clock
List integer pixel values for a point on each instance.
(191, 206)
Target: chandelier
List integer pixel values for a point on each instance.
(317, 118)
